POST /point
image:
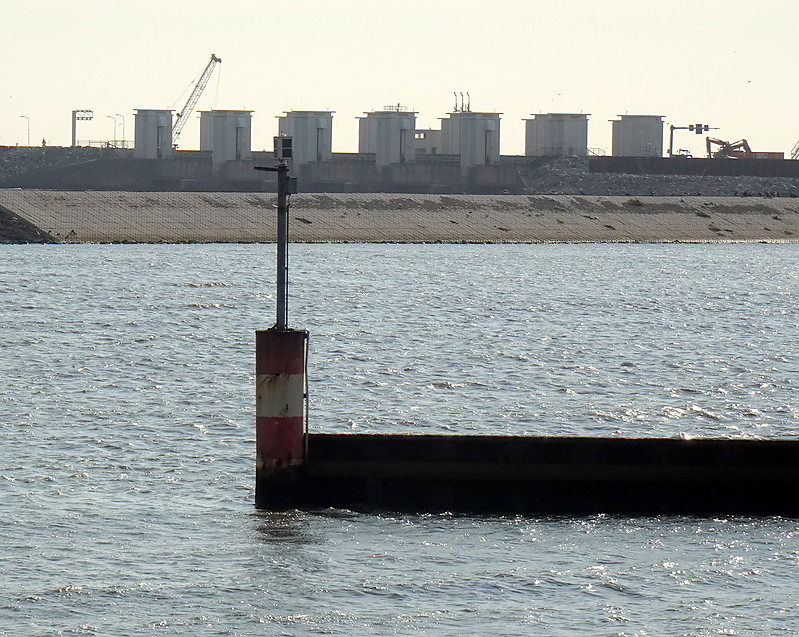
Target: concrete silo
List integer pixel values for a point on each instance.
(311, 133)
(153, 134)
(389, 134)
(227, 134)
(638, 136)
(556, 134)
(472, 136)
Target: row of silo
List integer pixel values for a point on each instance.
(226, 133)
(556, 134)
(152, 138)
(392, 137)
(638, 136)
(567, 134)
(388, 134)
(311, 133)
(474, 137)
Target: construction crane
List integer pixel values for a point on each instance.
(188, 107)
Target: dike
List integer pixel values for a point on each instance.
(197, 217)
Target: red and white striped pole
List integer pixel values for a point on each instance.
(281, 356)
(280, 406)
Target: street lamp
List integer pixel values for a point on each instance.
(28, 120)
(115, 127)
(123, 129)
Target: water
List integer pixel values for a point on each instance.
(126, 420)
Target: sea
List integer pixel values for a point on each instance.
(127, 436)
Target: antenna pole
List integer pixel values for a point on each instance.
(282, 246)
(285, 186)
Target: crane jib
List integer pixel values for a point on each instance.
(186, 111)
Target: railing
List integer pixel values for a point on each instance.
(110, 143)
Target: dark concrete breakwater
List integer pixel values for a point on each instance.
(115, 169)
(203, 217)
(15, 229)
(542, 475)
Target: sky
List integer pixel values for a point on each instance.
(726, 63)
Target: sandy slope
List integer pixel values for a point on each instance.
(246, 217)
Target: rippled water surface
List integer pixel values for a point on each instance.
(126, 423)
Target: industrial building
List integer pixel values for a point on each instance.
(388, 134)
(473, 136)
(638, 136)
(226, 134)
(312, 135)
(556, 135)
(153, 134)
(427, 141)
(462, 156)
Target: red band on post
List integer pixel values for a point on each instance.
(280, 438)
(280, 352)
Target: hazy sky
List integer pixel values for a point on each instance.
(727, 63)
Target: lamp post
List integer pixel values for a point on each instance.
(28, 120)
(124, 144)
(115, 127)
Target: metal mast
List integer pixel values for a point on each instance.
(188, 107)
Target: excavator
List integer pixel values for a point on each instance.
(719, 149)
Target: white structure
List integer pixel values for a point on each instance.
(311, 133)
(472, 136)
(389, 134)
(556, 134)
(638, 136)
(227, 134)
(427, 141)
(153, 134)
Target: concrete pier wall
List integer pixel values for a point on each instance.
(510, 474)
(694, 166)
(174, 217)
(114, 169)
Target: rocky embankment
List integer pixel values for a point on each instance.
(15, 229)
(51, 167)
(19, 160)
(570, 176)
